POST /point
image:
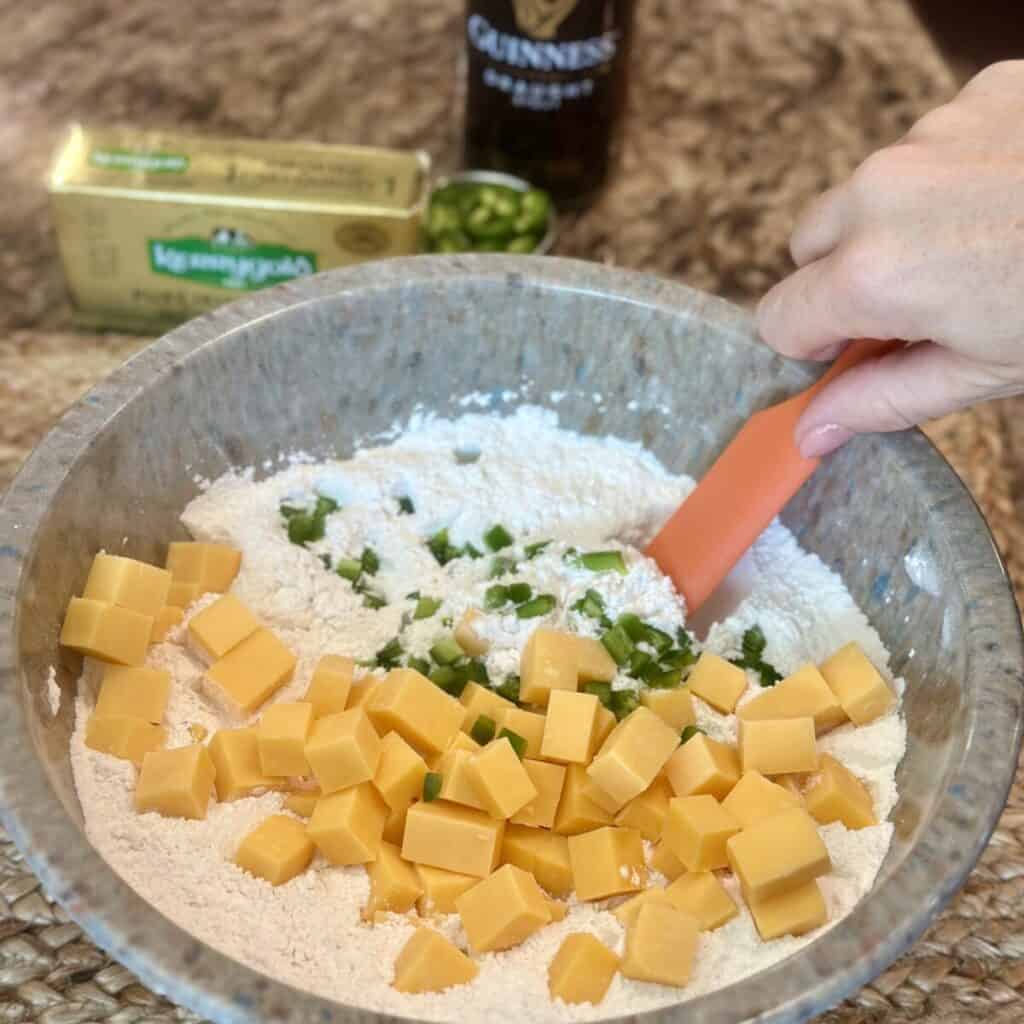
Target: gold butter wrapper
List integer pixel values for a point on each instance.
(156, 227)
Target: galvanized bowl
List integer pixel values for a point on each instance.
(320, 363)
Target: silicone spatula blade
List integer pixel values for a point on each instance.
(744, 490)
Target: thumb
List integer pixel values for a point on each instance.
(898, 391)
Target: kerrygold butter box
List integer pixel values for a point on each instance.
(155, 227)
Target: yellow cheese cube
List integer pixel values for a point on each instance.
(637, 749)
(175, 783)
(302, 802)
(660, 946)
(647, 812)
(626, 912)
(181, 595)
(790, 913)
(593, 662)
(717, 682)
(420, 712)
(569, 726)
(348, 827)
(603, 725)
(361, 692)
(582, 970)
(838, 795)
(577, 812)
(503, 910)
(212, 566)
(805, 694)
(124, 736)
(861, 690)
(455, 838)
(478, 700)
(548, 663)
(754, 798)
(502, 783)
(697, 829)
(276, 850)
(137, 692)
(127, 583)
(236, 757)
(673, 707)
(594, 792)
(456, 783)
(778, 746)
(282, 734)
(543, 854)
(251, 673)
(441, 889)
(394, 827)
(163, 622)
(793, 784)
(400, 771)
(607, 862)
(221, 626)
(559, 911)
(330, 686)
(467, 637)
(394, 884)
(703, 765)
(430, 963)
(343, 750)
(106, 631)
(541, 810)
(527, 724)
(703, 897)
(665, 862)
(778, 854)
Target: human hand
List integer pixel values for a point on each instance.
(925, 242)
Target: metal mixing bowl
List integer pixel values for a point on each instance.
(323, 362)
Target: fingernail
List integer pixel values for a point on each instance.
(828, 353)
(821, 440)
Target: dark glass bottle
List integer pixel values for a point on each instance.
(546, 90)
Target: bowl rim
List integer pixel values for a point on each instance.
(175, 964)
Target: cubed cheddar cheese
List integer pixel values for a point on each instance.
(343, 750)
(778, 746)
(127, 583)
(577, 812)
(457, 786)
(164, 621)
(861, 690)
(394, 825)
(502, 783)
(175, 783)
(594, 792)
(778, 854)
(106, 631)
(548, 663)
(236, 757)
(467, 635)
(503, 910)
(136, 692)
(717, 682)
(661, 944)
(330, 685)
(793, 784)
(665, 862)
(527, 724)
(559, 910)
(569, 726)
(755, 798)
(400, 772)
(634, 753)
(593, 662)
(804, 694)
(673, 707)
(348, 826)
(626, 912)
(394, 884)
(795, 912)
(361, 691)
(703, 765)
(703, 897)
(276, 850)
(251, 673)
(420, 712)
(582, 970)
(441, 889)
(607, 862)
(212, 567)
(838, 795)
(282, 733)
(478, 700)
(541, 810)
(697, 830)
(459, 839)
(125, 736)
(428, 962)
(181, 595)
(648, 811)
(603, 725)
(221, 626)
(302, 802)
(545, 855)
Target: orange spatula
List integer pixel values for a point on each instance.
(744, 490)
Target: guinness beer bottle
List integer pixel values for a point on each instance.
(545, 91)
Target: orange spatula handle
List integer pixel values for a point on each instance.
(745, 489)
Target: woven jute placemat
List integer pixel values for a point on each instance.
(741, 111)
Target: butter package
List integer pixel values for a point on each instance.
(155, 227)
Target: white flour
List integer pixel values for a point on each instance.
(539, 482)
